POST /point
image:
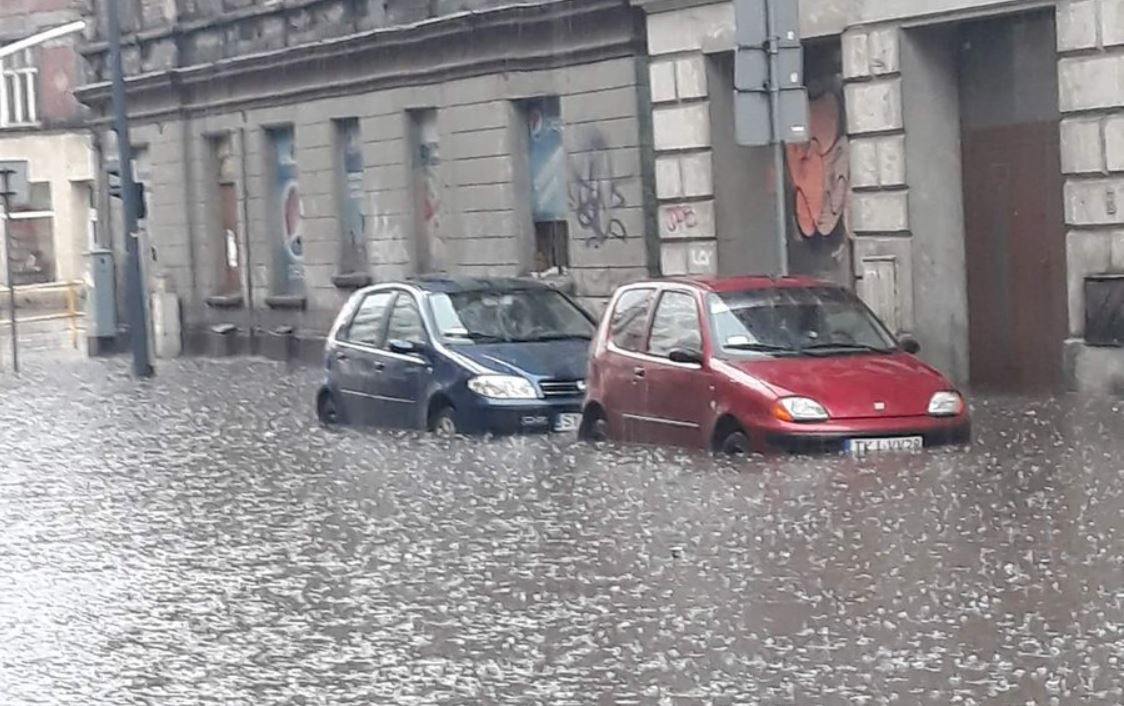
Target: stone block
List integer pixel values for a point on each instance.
(486, 197)
(682, 127)
(1091, 202)
(874, 106)
(1112, 22)
(690, 77)
(603, 281)
(1077, 25)
(489, 224)
(692, 29)
(878, 161)
(488, 251)
(1096, 371)
(1091, 82)
(880, 211)
(884, 51)
(482, 143)
(483, 170)
(599, 105)
(884, 273)
(689, 257)
(1081, 145)
(584, 78)
(698, 174)
(669, 178)
(1087, 252)
(1114, 142)
(694, 219)
(856, 54)
(661, 79)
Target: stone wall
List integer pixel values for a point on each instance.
(1091, 94)
(481, 177)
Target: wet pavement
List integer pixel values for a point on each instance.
(198, 540)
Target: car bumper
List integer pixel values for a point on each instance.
(506, 417)
(832, 437)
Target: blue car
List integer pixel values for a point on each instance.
(457, 355)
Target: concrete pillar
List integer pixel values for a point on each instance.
(681, 131)
(1091, 99)
(880, 199)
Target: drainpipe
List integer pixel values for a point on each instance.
(246, 239)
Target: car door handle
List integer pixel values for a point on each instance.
(340, 355)
(379, 367)
(638, 373)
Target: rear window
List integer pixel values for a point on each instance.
(630, 317)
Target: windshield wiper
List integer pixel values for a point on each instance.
(845, 347)
(557, 337)
(477, 337)
(761, 348)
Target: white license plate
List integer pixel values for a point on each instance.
(567, 422)
(862, 447)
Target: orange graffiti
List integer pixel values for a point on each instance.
(820, 172)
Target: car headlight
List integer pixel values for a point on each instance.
(799, 409)
(946, 404)
(503, 387)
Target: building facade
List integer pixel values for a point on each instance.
(292, 152)
(41, 123)
(965, 173)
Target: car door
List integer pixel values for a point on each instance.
(624, 366)
(358, 362)
(405, 376)
(678, 395)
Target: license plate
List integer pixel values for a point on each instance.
(567, 422)
(862, 447)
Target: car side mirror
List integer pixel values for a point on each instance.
(402, 347)
(910, 345)
(685, 355)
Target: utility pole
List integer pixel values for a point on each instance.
(770, 101)
(6, 176)
(134, 285)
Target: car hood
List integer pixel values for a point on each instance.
(854, 386)
(546, 360)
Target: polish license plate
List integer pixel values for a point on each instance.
(567, 422)
(900, 444)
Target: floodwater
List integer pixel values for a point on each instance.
(198, 539)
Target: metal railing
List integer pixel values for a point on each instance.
(72, 313)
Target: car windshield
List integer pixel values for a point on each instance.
(795, 321)
(509, 316)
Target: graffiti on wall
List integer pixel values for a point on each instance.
(286, 216)
(819, 176)
(548, 160)
(427, 192)
(595, 194)
(354, 235)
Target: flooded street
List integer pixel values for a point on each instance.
(198, 539)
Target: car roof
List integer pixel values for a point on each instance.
(747, 282)
(452, 284)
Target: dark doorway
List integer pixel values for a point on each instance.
(1014, 220)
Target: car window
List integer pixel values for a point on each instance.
(629, 319)
(369, 323)
(675, 325)
(405, 321)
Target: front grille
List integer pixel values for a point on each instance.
(562, 388)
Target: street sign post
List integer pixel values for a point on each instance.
(770, 101)
(14, 191)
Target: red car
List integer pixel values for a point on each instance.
(762, 364)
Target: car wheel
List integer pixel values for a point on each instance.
(594, 428)
(327, 411)
(443, 423)
(736, 443)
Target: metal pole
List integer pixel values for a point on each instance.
(7, 198)
(778, 139)
(134, 285)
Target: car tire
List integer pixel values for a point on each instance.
(594, 428)
(328, 411)
(736, 443)
(444, 423)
